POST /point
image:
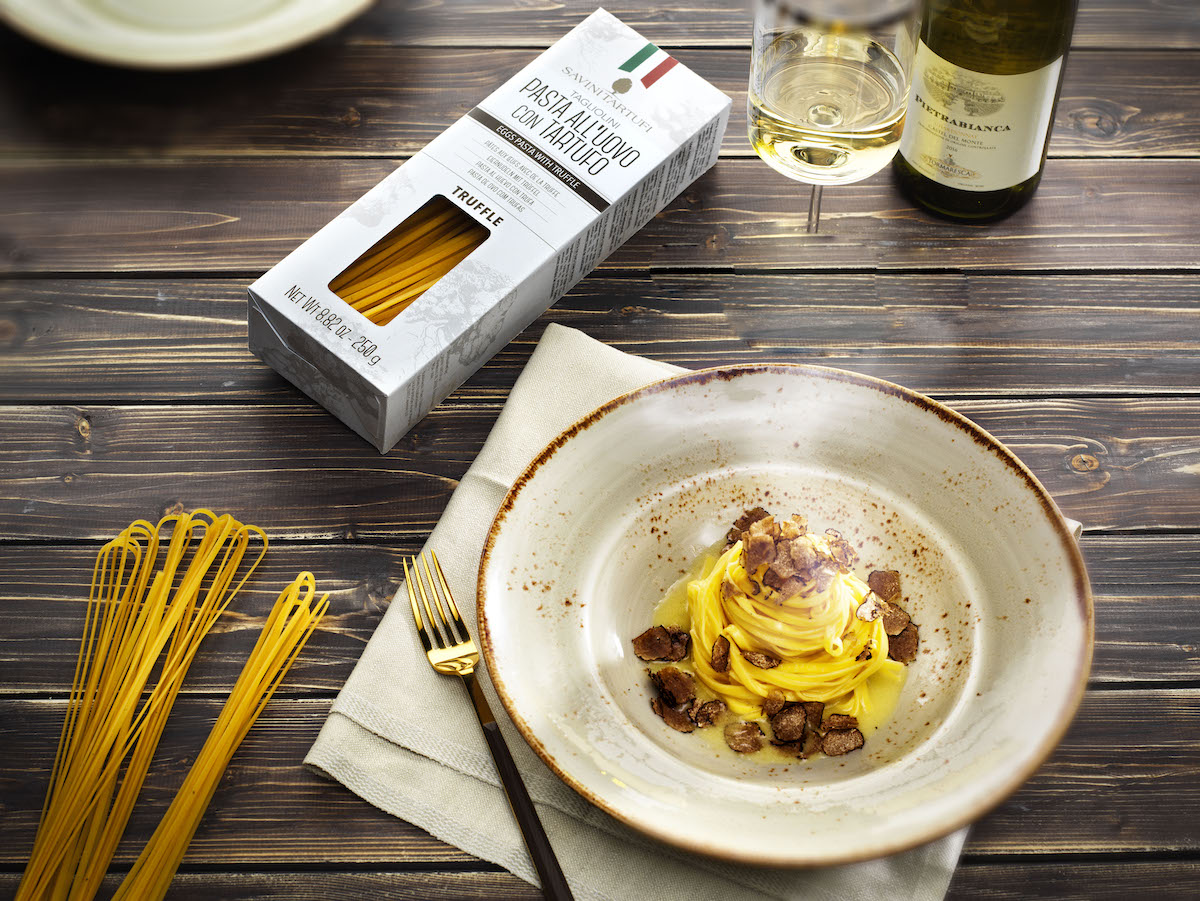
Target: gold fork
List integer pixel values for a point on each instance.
(457, 655)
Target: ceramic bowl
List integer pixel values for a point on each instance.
(176, 34)
(613, 512)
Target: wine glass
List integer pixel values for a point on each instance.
(829, 83)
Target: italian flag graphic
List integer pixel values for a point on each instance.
(635, 62)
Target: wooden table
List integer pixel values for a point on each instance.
(137, 208)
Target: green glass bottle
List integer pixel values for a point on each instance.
(986, 77)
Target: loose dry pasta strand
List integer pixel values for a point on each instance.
(53, 838)
(132, 616)
(179, 655)
(288, 628)
(91, 633)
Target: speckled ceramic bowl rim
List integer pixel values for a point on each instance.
(214, 54)
(1083, 596)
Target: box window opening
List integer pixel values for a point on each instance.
(409, 260)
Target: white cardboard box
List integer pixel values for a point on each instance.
(563, 163)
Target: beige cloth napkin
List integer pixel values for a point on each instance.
(406, 739)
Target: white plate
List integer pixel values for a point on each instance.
(611, 513)
(176, 34)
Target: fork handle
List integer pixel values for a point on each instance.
(554, 883)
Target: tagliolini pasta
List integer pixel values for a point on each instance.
(146, 617)
(780, 638)
(816, 637)
(409, 260)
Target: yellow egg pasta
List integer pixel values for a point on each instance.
(156, 591)
(816, 637)
(289, 626)
(409, 260)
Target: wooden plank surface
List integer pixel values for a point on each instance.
(138, 208)
(944, 333)
(42, 608)
(374, 101)
(535, 24)
(399, 885)
(975, 880)
(1112, 24)
(240, 216)
(86, 472)
(1098, 793)
(1146, 588)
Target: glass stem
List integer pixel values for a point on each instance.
(814, 210)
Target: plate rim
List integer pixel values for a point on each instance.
(1083, 597)
(69, 42)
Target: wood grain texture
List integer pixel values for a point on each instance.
(43, 601)
(376, 100)
(946, 333)
(1146, 592)
(86, 472)
(239, 216)
(1099, 791)
(140, 207)
(535, 24)
(1173, 880)
(395, 885)
(1102, 23)
(974, 880)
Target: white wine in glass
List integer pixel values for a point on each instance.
(829, 83)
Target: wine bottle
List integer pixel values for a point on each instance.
(986, 77)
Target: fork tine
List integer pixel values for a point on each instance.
(437, 600)
(458, 620)
(425, 600)
(433, 623)
(417, 611)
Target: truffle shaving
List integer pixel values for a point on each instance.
(837, 721)
(707, 713)
(840, 550)
(720, 654)
(758, 550)
(743, 522)
(788, 723)
(761, 660)
(842, 741)
(676, 718)
(815, 711)
(681, 642)
(903, 647)
(745, 738)
(662, 643)
(773, 703)
(870, 609)
(885, 583)
(895, 619)
(676, 686)
(653, 644)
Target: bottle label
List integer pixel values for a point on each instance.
(974, 131)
